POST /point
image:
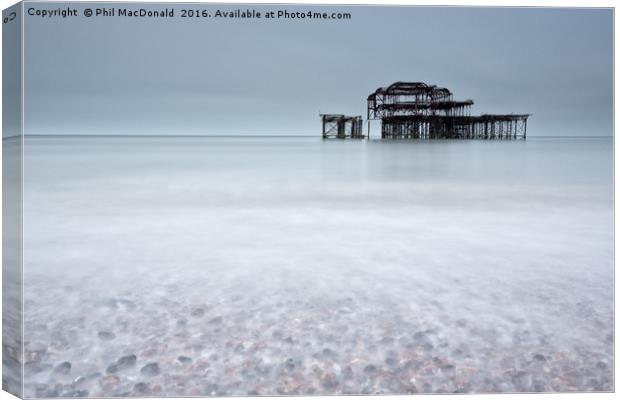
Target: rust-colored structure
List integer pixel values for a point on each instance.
(342, 126)
(415, 110)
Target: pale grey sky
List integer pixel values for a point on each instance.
(220, 76)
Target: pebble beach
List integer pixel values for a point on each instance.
(209, 280)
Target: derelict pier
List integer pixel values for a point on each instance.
(416, 110)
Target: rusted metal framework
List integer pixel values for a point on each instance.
(416, 110)
(340, 126)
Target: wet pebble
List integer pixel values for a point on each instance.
(141, 389)
(184, 359)
(122, 363)
(198, 312)
(63, 368)
(110, 383)
(539, 386)
(150, 369)
(329, 353)
(370, 369)
(329, 380)
(289, 365)
(105, 335)
(447, 368)
(522, 381)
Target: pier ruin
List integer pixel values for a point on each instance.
(342, 126)
(416, 110)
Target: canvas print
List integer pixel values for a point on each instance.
(272, 199)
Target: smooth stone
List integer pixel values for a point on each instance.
(110, 383)
(347, 372)
(289, 365)
(539, 357)
(150, 369)
(127, 361)
(447, 368)
(370, 369)
(594, 384)
(105, 335)
(391, 361)
(197, 312)
(538, 386)
(184, 359)
(216, 321)
(63, 368)
(141, 388)
(328, 380)
(122, 363)
(329, 353)
(387, 340)
(522, 380)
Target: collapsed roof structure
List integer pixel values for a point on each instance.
(416, 110)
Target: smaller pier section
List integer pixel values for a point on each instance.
(339, 126)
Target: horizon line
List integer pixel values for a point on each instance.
(246, 136)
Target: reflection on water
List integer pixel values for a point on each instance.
(198, 266)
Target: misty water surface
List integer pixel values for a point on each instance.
(198, 266)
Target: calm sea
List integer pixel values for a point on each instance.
(296, 265)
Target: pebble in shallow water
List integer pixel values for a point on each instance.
(105, 335)
(284, 353)
(110, 383)
(63, 368)
(150, 369)
(539, 358)
(141, 389)
(122, 363)
(198, 312)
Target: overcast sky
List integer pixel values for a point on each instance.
(220, 76)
